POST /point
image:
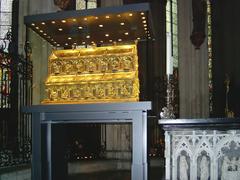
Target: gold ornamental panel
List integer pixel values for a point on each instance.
(90, 75)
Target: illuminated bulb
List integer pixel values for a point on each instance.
(37, 27)
(143, 17)
(74, 20)
(64, 21)
(93, 42)
(101, 41)
(33, 24)
(44, 34)
(110, 40)
(142, 13)
(43, 23)
(130, 14)
(69, 38)
(122, 23)
(87, 36)
(55, 42)
(96, 17)
(100, 25)
(119, 39)
(144, 25)
(41, 31)
(119, 15)
(145, 28)
(126, 33)
(66, 44)
(144, 22)
(83, 42)
(53, 22)
(107, 35)
(138, 38)
(58, 44)
(107, 17)
(60, 29)
(85, 19)
(75, 43)
(80, 27)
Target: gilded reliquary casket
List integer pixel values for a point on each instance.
(90, 75)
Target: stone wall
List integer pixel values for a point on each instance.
(193, 68)
(19, 174)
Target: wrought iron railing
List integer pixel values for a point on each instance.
(15, 92)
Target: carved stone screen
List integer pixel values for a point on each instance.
(202, 154)
(90, 75)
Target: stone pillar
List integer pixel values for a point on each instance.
(108, 3)
(117, 140)
(23, 11)
(193, 68)
(40, 49)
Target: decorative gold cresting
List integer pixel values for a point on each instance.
(90, 75)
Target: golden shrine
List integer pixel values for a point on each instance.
(99, 74)
(107, 73)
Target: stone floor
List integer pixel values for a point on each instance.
(155, 173)
(91, 170)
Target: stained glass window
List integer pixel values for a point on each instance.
(172, 27)
(5, 75)
(5, 17)
(81, 4)
(5, 20)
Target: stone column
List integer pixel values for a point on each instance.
(23, 11)
(118, 144)
(108, 3)
(40, 49)
(118, 141)
(193, 68)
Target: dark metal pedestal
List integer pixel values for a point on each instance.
(135, 113)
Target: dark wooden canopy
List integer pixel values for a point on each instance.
(94, 26)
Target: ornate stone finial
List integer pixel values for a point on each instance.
(168, 111)
(198, 35)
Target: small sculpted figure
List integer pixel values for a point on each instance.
(204, 169)
(183, 168)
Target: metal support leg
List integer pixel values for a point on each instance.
(139, 129)
(36, 147)
(49, 150)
